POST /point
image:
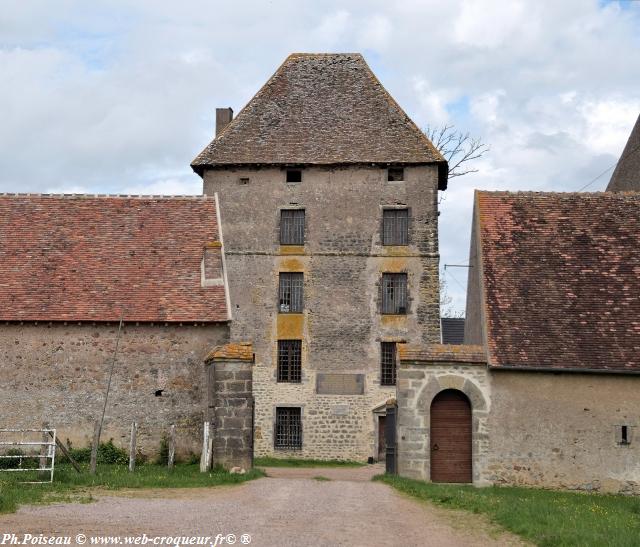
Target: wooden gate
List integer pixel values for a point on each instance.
(451, 432)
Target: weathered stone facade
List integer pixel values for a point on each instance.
(552, 430)
(342, 260)
(58, 373)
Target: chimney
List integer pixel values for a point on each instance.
(223, 117)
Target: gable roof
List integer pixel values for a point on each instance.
(626, 176)
(452, 329)
(95, 258)
(321, 109)
(561, 280)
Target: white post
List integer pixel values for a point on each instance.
(207, 446)
(172, 446)
(132, 447)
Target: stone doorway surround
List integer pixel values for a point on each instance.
(423, 372)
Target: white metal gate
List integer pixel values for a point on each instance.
(29, 451)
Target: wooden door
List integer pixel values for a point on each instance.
(382, 444)
(451, 437)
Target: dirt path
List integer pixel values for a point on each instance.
(274, 511)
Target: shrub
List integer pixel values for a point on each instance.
(19, 459)
(163, 453)
(107, 453)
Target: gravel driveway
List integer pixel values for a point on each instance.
(280, 511)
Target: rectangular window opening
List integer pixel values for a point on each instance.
(388, 364)
(624, 435)
(395, 174)
(288, 428)
(395, 227)
(394, 293)
(294, 175)
(290, 361)
(292, 227)
(290, 293)
(243, 181)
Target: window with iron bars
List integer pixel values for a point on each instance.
(395, 227)
(388, 363)
(290, 294)
(290, 361)
(394, 293)
(288, 428)
(292, 227)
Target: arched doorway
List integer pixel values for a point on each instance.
(451, 431)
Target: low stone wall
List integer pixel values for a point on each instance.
(58, 373)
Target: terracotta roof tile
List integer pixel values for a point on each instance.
(438, 353)
(93, 258)
(242, 351)
(321, 109)
(561, 276)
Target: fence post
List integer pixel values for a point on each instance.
(132, 447)
(207, 442)
(43, 447)
(94, 448)
(172, 446)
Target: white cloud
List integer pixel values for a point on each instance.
(375, 33)
(119, 96)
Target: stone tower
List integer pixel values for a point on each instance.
(328, 193)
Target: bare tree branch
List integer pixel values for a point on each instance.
(459, 149)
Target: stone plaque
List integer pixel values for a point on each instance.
(340, 410)
(330, 383)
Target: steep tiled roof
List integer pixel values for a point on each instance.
(452, 329)
(561, 279)
(235, 351)
(93, 258)
(321, 109)
(626, 176)
(439, 353)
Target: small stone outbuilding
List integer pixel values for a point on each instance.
(546, 390)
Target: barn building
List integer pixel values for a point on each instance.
(546, 389)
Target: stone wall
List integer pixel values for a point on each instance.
(562, 431)
(58, 373)
(552, 430)
(342, 261)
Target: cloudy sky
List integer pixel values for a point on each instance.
(119, 96)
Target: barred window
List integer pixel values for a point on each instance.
(395, 227)
(394, 293)
(290, 361)
(290, 296)
(292, 227)
(288, 429)
(388, 364)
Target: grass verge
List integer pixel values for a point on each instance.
(545, 517)
(71, 486)
(268, 461)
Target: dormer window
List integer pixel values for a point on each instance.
(211, 268)
(294, 175)
(395, 174)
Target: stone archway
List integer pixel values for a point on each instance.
(435, 384)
